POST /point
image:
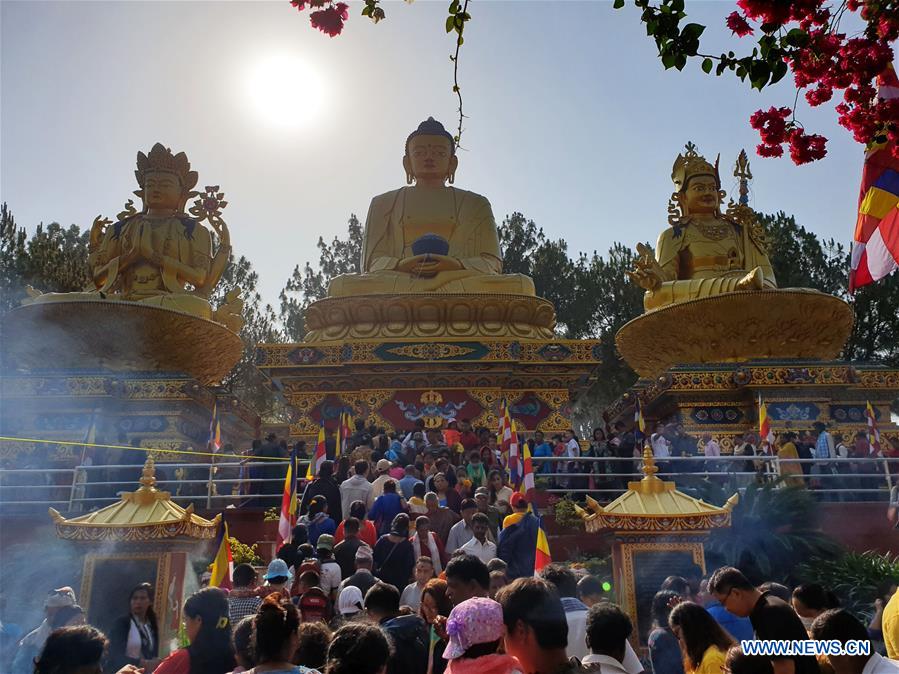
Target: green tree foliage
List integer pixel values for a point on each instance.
(341, 256)
(54, 259)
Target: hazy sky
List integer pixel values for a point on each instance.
(571, 118)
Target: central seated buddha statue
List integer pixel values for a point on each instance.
(430, 237)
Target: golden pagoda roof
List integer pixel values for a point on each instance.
(653, 504)
(147, 514)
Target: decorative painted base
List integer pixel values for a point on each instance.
(735, 327)
(722, 398)
(429, 316)
(161, 410)
(118, 336)
(392, 384)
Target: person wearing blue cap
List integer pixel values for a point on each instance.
(277, 579)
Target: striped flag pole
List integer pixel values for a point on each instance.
(873, 432)
(514, 467)
(288, 502)
(319, 457)
(339, 437)
(765, 432)
(223, 564)
(528, 484)
(215, 429)
(639, 425)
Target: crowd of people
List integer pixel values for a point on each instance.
(467, 619)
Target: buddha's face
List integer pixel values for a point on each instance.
(701, 196)
(430, 158)
(162, 190)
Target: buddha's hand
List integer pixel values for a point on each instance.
(428, 265)
(647, 273)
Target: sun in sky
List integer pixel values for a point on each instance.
(285, 91)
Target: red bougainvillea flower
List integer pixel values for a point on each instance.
(738, 25)
(769, 150)
(771, 125)
(818, 96)
(775, 12)
(299, 4)
(805, 148)
(330, 20)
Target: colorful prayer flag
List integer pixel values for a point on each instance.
(288, 502)
(639, 425)
(320, 455)
(223, 564)
(873, 432)
(345, 434)
(542, 558)
(527, 474)
(765, 432)
(875, 245)
(215, 429)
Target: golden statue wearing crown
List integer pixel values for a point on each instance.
(430, 236)
(161, 256)
(703, 253)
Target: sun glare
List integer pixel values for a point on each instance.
(285, 91)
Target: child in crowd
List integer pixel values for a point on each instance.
(475, 630)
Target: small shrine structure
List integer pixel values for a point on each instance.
(144, 537)
(656, 531)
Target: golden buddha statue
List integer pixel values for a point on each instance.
(703, 253)
(430, 237)
(161, 256)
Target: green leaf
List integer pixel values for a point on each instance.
(455, 6)
(692, 31)
(668, 60)
(449, 23)
(618, 4)
(796, 38)
(778, 71)
(680, 61)
(707, 66)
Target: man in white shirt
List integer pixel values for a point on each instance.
(479, 546)
(377, 486)
(661, 448)
(842, 626)
(608, 629)
(576, 616)
(357, 488)
(462, 532)
(424, 571)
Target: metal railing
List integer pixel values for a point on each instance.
(211, 486)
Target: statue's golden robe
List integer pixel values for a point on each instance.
(463, 218)
(700, 259)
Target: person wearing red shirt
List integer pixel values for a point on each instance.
(367, 532)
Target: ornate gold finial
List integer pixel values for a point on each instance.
(148, 476)
(691, 164)
(161, 158)
(649, 465)
(742, 173)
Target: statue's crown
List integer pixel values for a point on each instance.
(161, 158)
(690, 164)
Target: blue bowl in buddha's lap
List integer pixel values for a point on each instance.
(430, 244)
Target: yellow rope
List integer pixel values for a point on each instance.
(4, 438)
